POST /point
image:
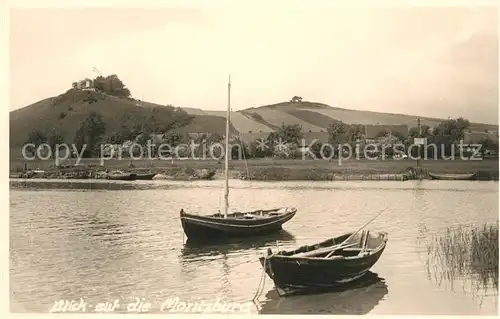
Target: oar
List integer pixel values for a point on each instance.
(324, 250)
(357, 231)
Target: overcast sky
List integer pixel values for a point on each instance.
(426, 61)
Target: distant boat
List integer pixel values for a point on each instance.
(121, 176)
(239, 224)
(456, 177)
(325, 265)
(145, 176)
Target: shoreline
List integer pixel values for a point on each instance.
(112, 185)
(269, 169)
(265, 169)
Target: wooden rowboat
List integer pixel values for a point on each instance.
(145, 176)
(121, 176)
(454, 177)
(325, 265)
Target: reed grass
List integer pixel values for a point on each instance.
(467, 253)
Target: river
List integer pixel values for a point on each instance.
(109, 241)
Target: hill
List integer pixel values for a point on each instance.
(316, 117)
(66, 111)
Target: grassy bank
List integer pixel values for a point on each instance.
(279, 169)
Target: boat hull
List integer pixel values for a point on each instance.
(300, 275)
(124, 177)
(452, 177)
(217, 227)
(145, 176)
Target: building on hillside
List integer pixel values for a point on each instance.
(476, 137)
(197, 135)
(111, 150)
(249, 138)
(373, 131)
(84, 85)
(157, 138)
(309, 137)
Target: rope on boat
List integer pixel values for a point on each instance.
(260, 287)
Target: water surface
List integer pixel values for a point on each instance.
(113, 240)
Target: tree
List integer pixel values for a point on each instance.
(284, 140)
(172, 138)
(139, 129)
(116, 138)
(452, 128)
(296, 99)
(111, 85)
(54, 140)
(35, 137)
(337, 132)
(355, 132)
(344, 133)
(272, 137)
(290, 133)
(239, 149)
(117, 88)
(143, 139)
(260, 150)
(414, 132)
(399, 136)
(89, 134)
(444, 135)
(487, 144)
(316, 150)
(172, 118)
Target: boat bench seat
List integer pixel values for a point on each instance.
(312, 254)
(315, 254)
(352, 249)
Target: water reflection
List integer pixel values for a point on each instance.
(86, 185)
(104, 229)
(133, 246)
(225, 279)
(356, 298)
(193, 250)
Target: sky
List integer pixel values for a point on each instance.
(436, 62)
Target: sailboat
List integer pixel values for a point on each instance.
(235, 224)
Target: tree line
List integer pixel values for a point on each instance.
(284, 142)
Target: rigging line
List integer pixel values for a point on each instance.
(246, 167)
(242, 147)
(220, 191)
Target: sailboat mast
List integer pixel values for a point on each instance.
(226, 157)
